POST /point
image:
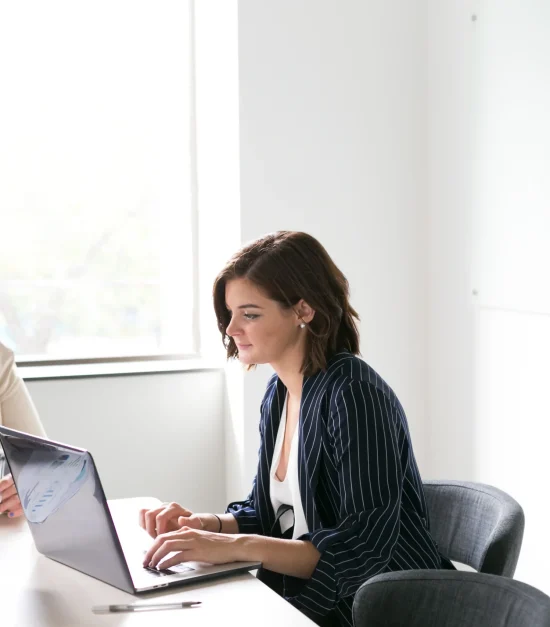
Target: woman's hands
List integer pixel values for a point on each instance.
(191, 536)
(168, 517)
(9, 500)
(193, 545)
(177, 530)
(194, 537)
(297, 558)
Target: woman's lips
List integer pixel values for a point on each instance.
(243, 346)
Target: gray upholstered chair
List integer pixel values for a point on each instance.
(476, 524)
(443, 598)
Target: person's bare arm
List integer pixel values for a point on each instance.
(172, 516)
(296, 558)
(211, 523)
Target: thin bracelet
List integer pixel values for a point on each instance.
(220, 521)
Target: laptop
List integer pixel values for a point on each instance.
(72, 523)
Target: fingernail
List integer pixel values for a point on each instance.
(11, 514)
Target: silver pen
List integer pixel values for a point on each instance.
(142, 607)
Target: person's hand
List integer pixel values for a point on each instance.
(193, 545)
(9, 500)
(168, 517)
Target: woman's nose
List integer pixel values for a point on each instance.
(232, 328)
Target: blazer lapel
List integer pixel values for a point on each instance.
(310, 441)
(310, 444)
(275, 411)
(273, 408)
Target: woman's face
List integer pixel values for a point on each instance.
(262, 330)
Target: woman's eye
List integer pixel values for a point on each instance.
(251, 316)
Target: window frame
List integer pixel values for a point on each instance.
(195, 354)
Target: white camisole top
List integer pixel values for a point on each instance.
(287, 492)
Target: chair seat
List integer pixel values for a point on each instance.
(442, 598)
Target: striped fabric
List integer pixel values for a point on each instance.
(359, 482)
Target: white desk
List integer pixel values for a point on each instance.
(38, 592)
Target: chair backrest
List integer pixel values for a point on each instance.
(432, 598)
(476, 524)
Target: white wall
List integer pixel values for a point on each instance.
(332, 123)
(333, 142)
(156, 435)
(451, 312)
(489, 190)
(357, 124)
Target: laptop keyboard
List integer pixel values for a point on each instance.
(173, 570)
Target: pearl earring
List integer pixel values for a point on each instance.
(303, 325)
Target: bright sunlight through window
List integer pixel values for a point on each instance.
(96, 257)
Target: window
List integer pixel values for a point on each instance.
(98, 250)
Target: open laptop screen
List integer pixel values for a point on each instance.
(65, 506)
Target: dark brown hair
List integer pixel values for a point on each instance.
(288, 266)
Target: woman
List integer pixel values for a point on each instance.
(17, 411)
(335, 445)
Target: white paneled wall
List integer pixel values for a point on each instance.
(333, 119)
(489, 208)
(156, 435)
(512, 426)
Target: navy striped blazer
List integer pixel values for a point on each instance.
(359, 483)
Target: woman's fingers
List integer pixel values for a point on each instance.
(5, 483)
(168, 517)
(151, 521)
(153, 549)
(8, 491)
(142, 513)
(168, 520)
(162, 519)
(183, 556)
(11, 504)
(170, 546)
(191, 545)
(16, 512)
(181, 536)
(9, 499)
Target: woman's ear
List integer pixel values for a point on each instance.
(304, 312)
